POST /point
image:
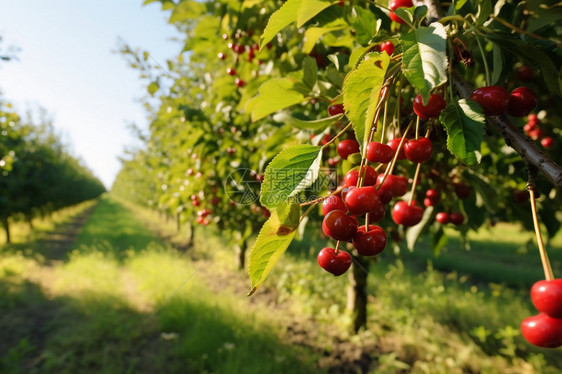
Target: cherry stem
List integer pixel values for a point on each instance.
(384, 121)
(337, 136)
(367, 222)
(414, 183)
(484, 59)
(548, 275)
(390, 166)
(306, 213)
(337, 247)
(320, 199)
(417, 126)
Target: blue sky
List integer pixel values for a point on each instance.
(67, 65)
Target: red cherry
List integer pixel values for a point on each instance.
(335, 109)
(407, 215)
(333, 161)
(433, 194)
(395, 4)
(369, 243)
(339, 226)
(394, 143)
(378, 212)
(533, 118)
(399, 185)
(378, 152)
(456, 219)
(547, 297)
(361, 200)
(542, 330)
(521, 101)
(547, 142)
(333, 202)
(230, 71)
(418, 151)
(434, 106)
(525, 74)
(225, 37)
(462, 190)
(239, 82)
(442, 218)
(493, 99)
(347, 147)
(190, 172)
(239, 48)
(336, 264)
(194, 197)
(200, 219)
(369, 176)
(387, 47)
(215, 200)
(326, 139)
(222, 56)
(265, 212)
(195, 202)
(530, 126)
(536, 134)
(385, 192)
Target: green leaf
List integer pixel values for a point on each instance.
(282, 18)
(487, 193)
(358, 54)
(407, 15)
(312, 34)
(290, 172)
(299, 120)
(365, 25)
(484, 11)
(498, 63)
(187, 10)
(459, 4)
(310, 72)
(361, 90)
(153, 87)
(414, 232)
(425, 58)
(464, 122)
(274, 95)
(438, 241)
(273, 240)
(310, 8)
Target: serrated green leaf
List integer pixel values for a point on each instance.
(334, 76)
(280, 19)
(464, 122)
(498, 63)
(414, 232)
(310, 72)
(361, 93)
(301, 121)
(312, 34)
(290, 172)
(274, 95)
(365, 25)
(310, 8)
(273, 240)
(425, 58)
(358, 54)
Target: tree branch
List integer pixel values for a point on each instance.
(514, 137)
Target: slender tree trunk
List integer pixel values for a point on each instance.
(190, 233)
(178, 223)
(357, 293)
(30, 222)
(7, 229)
(240, 251)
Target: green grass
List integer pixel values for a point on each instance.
(106, 308)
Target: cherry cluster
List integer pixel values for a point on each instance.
(495, 100)
(365, 193)
(545, 329)
(534, 131)
(240, 43)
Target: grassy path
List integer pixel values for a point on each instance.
(106, 308)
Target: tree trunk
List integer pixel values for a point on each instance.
(190, 232)
(7, 229)
(240, 250)
(30, 222)
(178, 223)
(357, 293)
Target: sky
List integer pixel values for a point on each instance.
(67, 64)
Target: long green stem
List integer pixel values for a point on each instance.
(484, 59)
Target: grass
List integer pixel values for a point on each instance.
(107, 308)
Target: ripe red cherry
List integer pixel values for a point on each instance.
(399, 185)
(530, 126)
(333, 161)
(442, 218)
(525, 74)
(432, 197)
(547, 142)
(387, 47)
(395, 4)
(347, 147)
(369, 243)
(336, 264)
(230, 71)
(542, 330)
(239, 82)
(333, 202)
(547, 297)
(378, 212)
(361, 200)
(369, 176)
(536, 134)
(339, 226)
(200, 220)
(222, 56)
(394, 143)
(462, 190)
(434, 106)
(456, 219)
(335, 109)
(418, 151)
(385, 192)
(533, 118)
(407, 215)
(521, 101)
(493, 99)
(378, 152)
